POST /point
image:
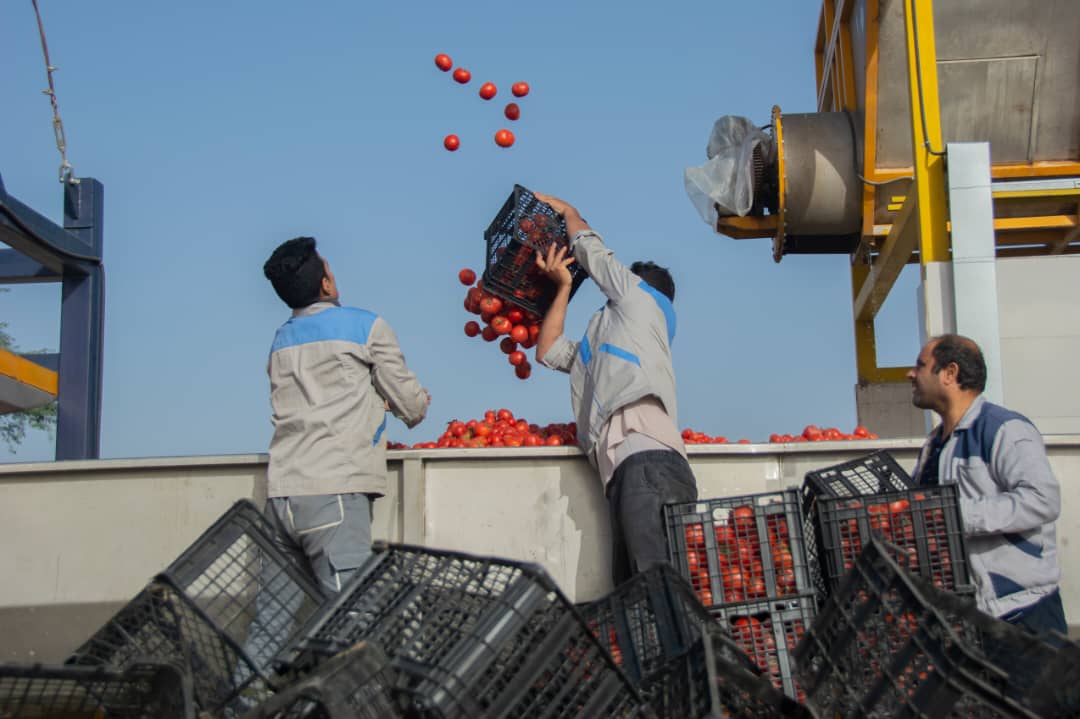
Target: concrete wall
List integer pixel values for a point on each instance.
(81, 538)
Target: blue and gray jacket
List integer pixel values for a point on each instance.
(625, 354)
(1009, 499)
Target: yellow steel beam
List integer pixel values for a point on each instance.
(929, 162)
(1009, 224)
(899, 245)
(1013, 171)
(781, 185)
(870, 121)
(28, 373)
(1029, 194)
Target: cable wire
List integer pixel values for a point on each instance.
(67, 172)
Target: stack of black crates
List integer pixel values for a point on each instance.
(219, 613)
(682, 660)
(463, 636)
(745, 559)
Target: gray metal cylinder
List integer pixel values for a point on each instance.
(822, 190)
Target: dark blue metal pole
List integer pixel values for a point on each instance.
(82, 327)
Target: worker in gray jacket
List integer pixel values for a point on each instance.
(1009, 497)
(622, 389)
(334, 372)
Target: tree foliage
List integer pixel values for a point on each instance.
(13, 426)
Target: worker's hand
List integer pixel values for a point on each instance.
(575, 223)
(556, 265)
(428, 394)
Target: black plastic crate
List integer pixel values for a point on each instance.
(768, 632)
(250, 590)
(474, 635)
(734, 549)
(890, 644)
(162, 624)
(923, 524)
(876, 473)
(356, 684)
(647, 620)
(523, 227)
(141, 691)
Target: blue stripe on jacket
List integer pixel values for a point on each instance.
(978, 440)
(665, 306)
(349, 324)
(620, 353)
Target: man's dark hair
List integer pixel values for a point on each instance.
(656, 277)
(967, 356)
(296, 271)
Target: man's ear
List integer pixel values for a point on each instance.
(951, 372)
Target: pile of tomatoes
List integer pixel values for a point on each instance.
(499, 428)
(756, 636)
(811, 433)
(738, 561)
(893, 518)
(517, 327)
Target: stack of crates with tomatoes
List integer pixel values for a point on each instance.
(746, 560)
(848, 503)
(889, 643)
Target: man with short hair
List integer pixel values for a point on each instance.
(622, 389)
(334, 371)
(1009, 497)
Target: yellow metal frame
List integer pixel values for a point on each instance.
(28, 373)
(920, 230)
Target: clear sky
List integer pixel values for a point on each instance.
(222, 128)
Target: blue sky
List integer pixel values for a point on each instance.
(220, 129)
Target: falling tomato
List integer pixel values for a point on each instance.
(466, 276)
(472, 328)
(523, 371)
(516, 358)
(520, 89)
(462, 75)
(488, 90)
(443, 62)
(451, 142)
(512, 111)
(504, 138)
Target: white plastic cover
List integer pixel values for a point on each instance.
(726, 181)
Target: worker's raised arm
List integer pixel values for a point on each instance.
(552, 348)
(612, 277)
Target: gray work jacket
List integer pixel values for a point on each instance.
(626, 351)
(332, 372)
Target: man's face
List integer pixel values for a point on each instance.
(927, 390)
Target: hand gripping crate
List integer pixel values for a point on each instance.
(923, 524)
(649, 624)
(141, 691)
(768, 632)
(358, 683)
(734, 549)
(890, 644)
(524, 226)
(474, 636)
(222, 610)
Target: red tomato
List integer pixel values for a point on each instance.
(456, 428)
(899, 506)
(462, 75)
(443, 62)
(520, 89)
(527, 225)
(472, 328)
(501, 325)
(466, 276)
(553, 441)
(452, 143)
(516, 316)
(517, 358)
(861, 431)
(504, 138)
(523, 371)
(811, 432)
(512, 111)
(483, 429)
(520, 333)
(488, 334)
(491, 305)
(532, 440)
(488, 90)
(507, 345)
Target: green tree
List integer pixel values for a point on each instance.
(13, 426)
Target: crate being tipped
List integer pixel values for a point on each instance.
(523, 227)
(473, 636)
(889, 644)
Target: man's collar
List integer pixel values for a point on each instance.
(315, 308)
(971, 413)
